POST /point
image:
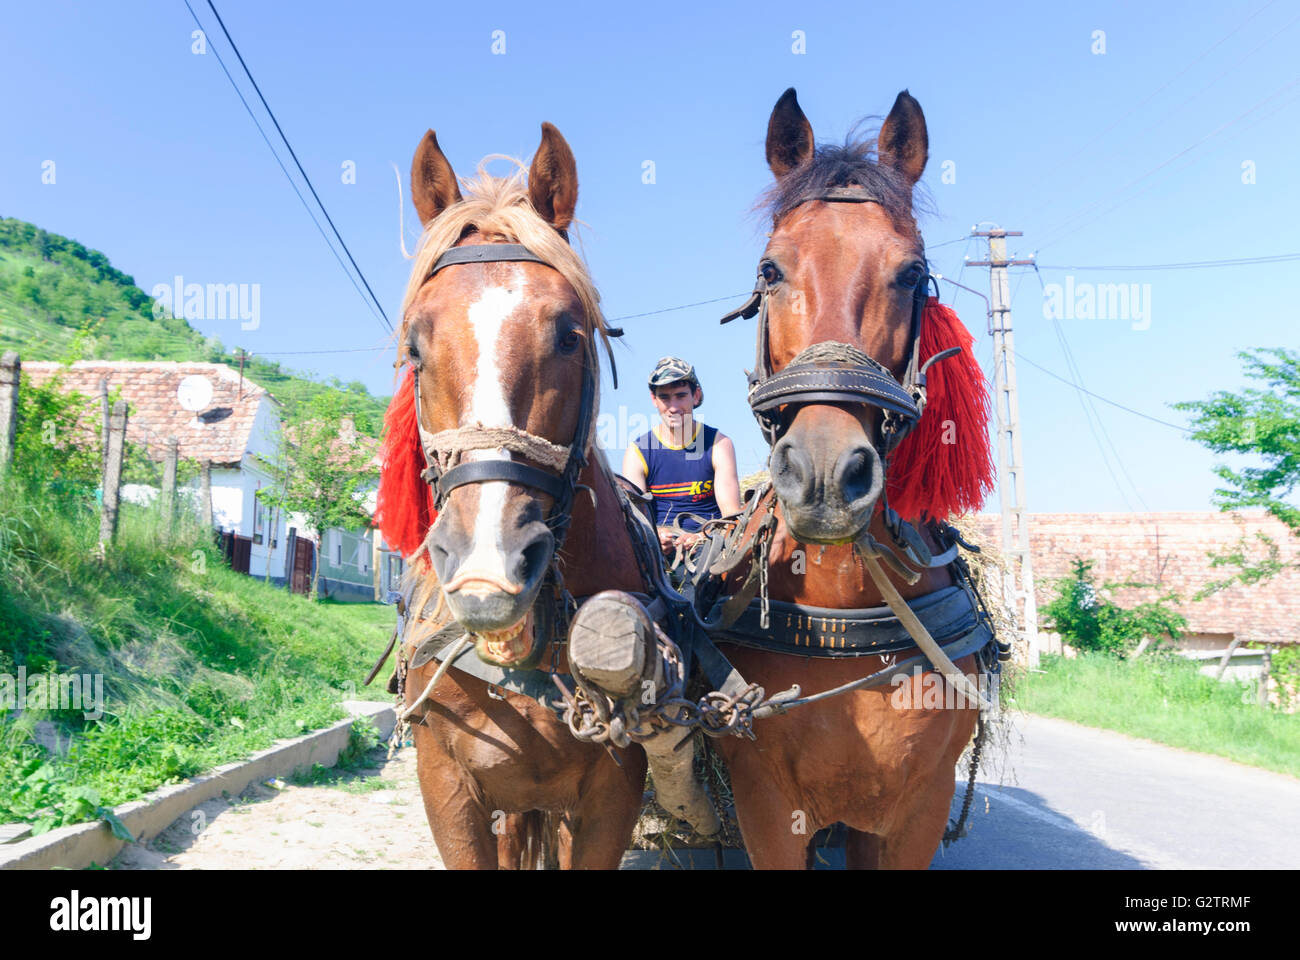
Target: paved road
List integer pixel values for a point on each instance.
(1063, 796)
(1057, 796)
(1087, 798)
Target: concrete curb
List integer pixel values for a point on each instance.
(82, 844)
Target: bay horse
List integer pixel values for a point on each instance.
(492, 486)
(845, 264)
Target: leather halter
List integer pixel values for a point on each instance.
(561, 487)
(830, 381)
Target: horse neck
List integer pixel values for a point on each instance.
(598, 552)
(834, 576)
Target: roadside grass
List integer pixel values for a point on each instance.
(200, 665)
(1166, 699)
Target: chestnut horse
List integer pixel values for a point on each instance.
(502, 343)
(848, 272)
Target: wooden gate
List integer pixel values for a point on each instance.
(303, 554)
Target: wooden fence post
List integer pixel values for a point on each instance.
(205, 495)
(168, 496)
(1227, 655)
(10, 371)
(1263, 676)
(113, 473)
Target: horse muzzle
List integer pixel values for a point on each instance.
(827, 489)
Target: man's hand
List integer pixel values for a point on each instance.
(666, 539)
(669, 540)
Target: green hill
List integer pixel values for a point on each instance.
(53, 288)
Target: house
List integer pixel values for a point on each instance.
(217, 414)
(1170, 550)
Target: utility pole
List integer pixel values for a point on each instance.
(1015, 523)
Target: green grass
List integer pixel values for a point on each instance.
(1165, 699)
(201, 665)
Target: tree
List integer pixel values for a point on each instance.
(322, 469)
(1264, 422)
(1084, 614)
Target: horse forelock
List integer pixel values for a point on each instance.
(497, 209)
(852, 163)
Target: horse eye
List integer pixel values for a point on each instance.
(770, 272)
(570, 341)
(413, 353)
(912, 276)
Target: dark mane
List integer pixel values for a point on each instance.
(849, 164)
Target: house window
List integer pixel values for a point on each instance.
(259, 517)
(338, 548)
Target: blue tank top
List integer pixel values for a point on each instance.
(680, 478)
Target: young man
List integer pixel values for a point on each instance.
(686, 466)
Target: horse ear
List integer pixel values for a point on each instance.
(904, 142)
(553, 179)
(433, 183)
(789, 135)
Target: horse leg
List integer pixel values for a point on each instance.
(912, 845)
(461, 826)
(595, 833)
(776, 836)
(862, 850)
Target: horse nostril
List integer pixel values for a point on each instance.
(792, 469)
(858, 476)
(531, 560)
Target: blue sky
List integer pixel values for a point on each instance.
(1131, 156)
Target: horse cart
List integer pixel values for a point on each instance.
(545, 660)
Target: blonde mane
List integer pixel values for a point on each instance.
(498, 209)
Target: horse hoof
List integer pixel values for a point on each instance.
(611, 640)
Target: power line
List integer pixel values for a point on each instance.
(301, 199)
(301, 353)
(1086, 210)
(1020, 354)
(651, 313)
(305, 178)
(1185, 265)
(1078, 152)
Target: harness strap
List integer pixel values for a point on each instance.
(922, 636)
(486, 253)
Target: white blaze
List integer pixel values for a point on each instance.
(488, 406)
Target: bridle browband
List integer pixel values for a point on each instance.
(861, 380)
(561, 487)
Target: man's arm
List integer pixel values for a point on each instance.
(726, 483)
(634, 466)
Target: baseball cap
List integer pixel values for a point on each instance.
(672, 370)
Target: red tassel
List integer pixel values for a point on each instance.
(944, 466)
(404, 506)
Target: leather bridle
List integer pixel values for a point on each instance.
(865, 381)
(555, 605)
(562, 487)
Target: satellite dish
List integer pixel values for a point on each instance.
(194, 392)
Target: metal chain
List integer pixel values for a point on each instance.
(593, 717)
(960, 828)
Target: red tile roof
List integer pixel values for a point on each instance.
(1170, 549)
(219, 433)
